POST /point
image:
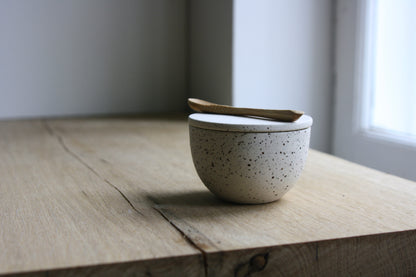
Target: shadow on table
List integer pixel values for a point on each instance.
(200, 198)
(203, 203)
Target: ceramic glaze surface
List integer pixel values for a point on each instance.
(249, 167)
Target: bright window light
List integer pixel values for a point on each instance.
(393, 99)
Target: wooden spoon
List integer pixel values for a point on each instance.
(199, 105)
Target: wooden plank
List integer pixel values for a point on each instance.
(342, 209)
(58, 213)
(334, 199)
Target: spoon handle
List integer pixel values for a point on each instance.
(208, 107)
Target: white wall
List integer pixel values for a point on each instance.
(104, 56)
(282, 59)
(91, 57)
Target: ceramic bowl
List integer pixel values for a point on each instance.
(248, 160)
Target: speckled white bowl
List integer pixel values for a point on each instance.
(248, 160)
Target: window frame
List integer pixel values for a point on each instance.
(352, 138)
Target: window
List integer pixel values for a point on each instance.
(393, 95)
(375, 92)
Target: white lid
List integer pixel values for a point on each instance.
(232, 123)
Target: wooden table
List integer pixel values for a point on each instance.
(109, 196)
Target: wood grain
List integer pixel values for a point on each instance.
(116, 195)
(56, 212)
